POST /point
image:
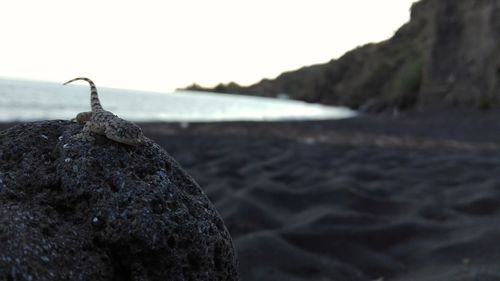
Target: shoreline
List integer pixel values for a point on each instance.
(466, 125)
(452, 129)
(449, 129)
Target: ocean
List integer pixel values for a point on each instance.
(23, 100)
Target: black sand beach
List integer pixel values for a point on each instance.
(415, 197)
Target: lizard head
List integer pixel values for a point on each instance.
(127, 133)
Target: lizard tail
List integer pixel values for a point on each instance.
(95, 104)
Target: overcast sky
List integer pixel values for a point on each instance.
(165, 44)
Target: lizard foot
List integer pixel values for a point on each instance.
(83, 137)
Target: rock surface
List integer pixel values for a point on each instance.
(73, 210)
(447, 55)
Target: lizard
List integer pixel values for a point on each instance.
(103, 122)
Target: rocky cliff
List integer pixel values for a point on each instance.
(446, 55)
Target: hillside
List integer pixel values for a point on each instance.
(446, 55)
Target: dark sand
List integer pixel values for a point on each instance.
(373, 198)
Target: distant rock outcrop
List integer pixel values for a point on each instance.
(74, 210)
(447, 55)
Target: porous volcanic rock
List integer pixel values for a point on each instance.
(101, 210)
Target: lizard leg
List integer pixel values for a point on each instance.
(83, 117)
(84, 135)
(124, 132)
